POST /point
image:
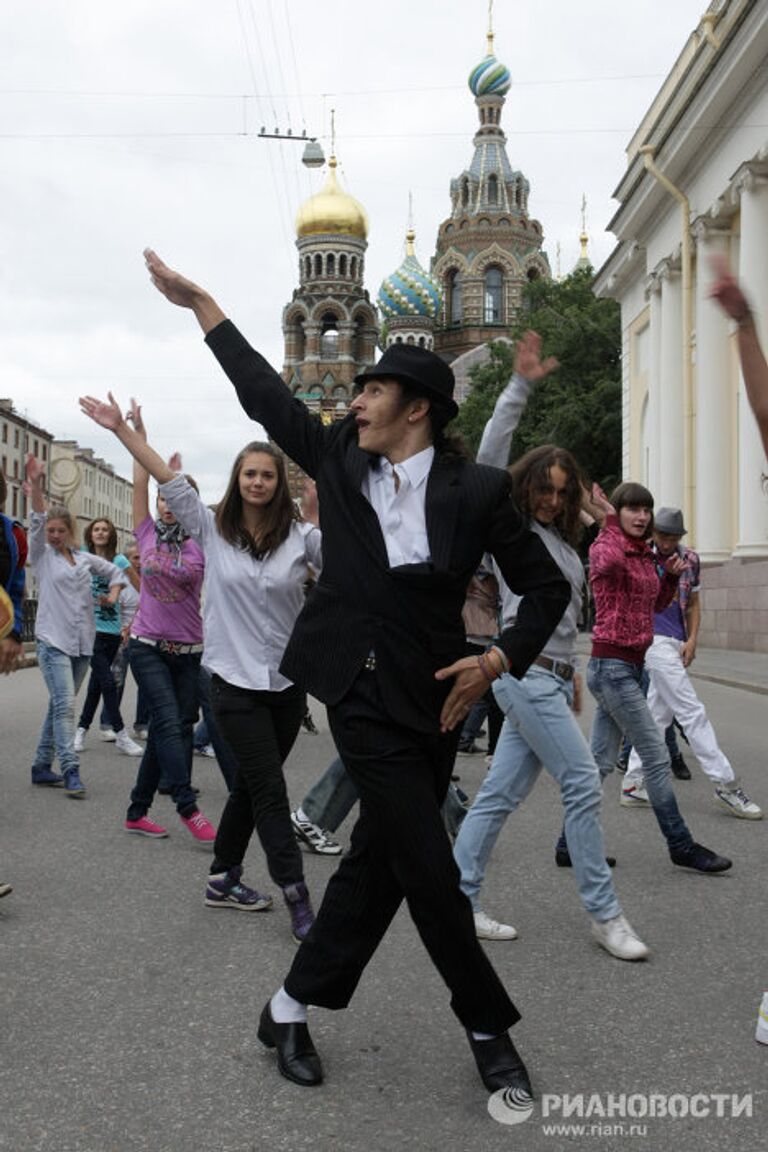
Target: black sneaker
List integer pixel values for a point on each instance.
(699, 859)
(680, 769)
(469, 749)
(622, 764)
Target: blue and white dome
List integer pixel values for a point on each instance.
(410, 291)
(490, 78)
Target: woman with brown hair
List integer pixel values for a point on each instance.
(258, 552)
(540, 728)
(100, 539)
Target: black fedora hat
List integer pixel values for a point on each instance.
(417, 367)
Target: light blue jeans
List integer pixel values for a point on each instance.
(622, 708)
(63, 676)
(539, 730)
(331, 798)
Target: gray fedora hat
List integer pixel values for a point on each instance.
(669, 521)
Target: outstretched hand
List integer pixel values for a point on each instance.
(173, 285)
(134, 416)
(528, 360)
(35, 473)
(726, 289)
(105, 413)
(601, 501)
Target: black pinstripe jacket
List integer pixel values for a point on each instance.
(409, 616)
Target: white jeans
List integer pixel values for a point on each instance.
(671, 695)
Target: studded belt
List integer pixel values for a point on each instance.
(560, 668)
(169, 646)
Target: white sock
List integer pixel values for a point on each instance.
(483, 1036)
(301, 815)
(286, 1010)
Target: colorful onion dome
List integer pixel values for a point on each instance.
(490, 78)
(332, 210)
(410, 291)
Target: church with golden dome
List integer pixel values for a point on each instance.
(487, 249)
(330, 327)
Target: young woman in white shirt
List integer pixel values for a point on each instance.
(65, 628)
(257, 552)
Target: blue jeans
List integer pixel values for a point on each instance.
(168, 682)
(540, 730)
(622, 708)
(670, 735)
(330, 800)
(63, 676)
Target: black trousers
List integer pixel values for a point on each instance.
(399, 850)
(260, 729)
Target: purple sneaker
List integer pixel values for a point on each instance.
(45, 778)
(225, 890)
(296, 897)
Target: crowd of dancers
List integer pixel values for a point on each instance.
(375, 598)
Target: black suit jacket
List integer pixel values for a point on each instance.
(409, 616)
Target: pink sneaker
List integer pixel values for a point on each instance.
(145, 826)
(200, 827)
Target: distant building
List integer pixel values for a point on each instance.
(697, 184)
(18, 437)
(90, 488)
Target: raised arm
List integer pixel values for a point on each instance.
(108, 415)
(529, 369)
(260, 390)
(183, 292)
(728, 294)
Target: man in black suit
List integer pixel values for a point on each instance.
(405, 521)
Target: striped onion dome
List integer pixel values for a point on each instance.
(410, 291)
(490, 78)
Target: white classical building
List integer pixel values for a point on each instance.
(697, 184)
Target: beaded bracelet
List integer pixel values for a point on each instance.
(482, 664)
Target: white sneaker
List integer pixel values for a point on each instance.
(80, 739)
(488, 929)
(107, 734)
(635, 796)
(128, 747)
(618, 938)
(735, 800)
(140, 733)
(206, 750)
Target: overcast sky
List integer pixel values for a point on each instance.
(135, 124)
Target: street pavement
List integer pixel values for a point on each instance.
(129, 1010)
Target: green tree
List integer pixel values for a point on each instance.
(578, 406)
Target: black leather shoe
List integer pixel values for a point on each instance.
(297, 1059)
(680, 769)
(700, 859)
(563, 859)
(499, 1065)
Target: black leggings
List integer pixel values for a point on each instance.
(102, 682)
(260, 729)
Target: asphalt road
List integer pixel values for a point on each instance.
(129, 1009)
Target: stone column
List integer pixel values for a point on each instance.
(713, 533)
(650, 467)
(753, 274)
(671, 466)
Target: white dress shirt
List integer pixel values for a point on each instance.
(401, 508)
(65, 618)
(249, 606)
